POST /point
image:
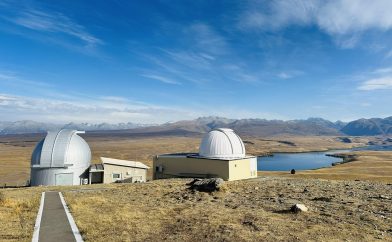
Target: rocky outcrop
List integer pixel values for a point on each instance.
(345, 140)
(206, 185)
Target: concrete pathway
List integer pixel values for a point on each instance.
(56, 223)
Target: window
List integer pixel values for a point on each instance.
(116, 175)
(159, 168)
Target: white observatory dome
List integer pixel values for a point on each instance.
(222, 144)
(60, 159)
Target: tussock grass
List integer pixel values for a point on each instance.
(2, 198)
(18, 210)
(248, 210)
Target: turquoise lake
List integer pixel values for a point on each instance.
(306, 161)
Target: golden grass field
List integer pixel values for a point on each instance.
(344, 200)
(248, 210)
(18, 210)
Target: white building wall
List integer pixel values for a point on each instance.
(125, 173)
(47, 176)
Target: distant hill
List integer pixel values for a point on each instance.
(373, 126)
(199, 125)
(249, 127)
(311, 126)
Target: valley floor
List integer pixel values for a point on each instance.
(15, 151)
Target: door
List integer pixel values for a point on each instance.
(253, 167)
(64, 179)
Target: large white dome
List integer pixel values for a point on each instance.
(61, 149)
(222, 144)
(62, 158)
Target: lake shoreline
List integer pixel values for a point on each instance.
(270, 154)
(314, 160)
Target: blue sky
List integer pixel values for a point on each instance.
(160, 61)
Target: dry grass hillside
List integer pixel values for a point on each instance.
(248, 210)
(18, 210)
(251, 210)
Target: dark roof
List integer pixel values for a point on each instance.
(96, 168)
(197, 156)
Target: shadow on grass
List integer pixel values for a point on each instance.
(284, 211)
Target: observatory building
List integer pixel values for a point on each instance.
(115, 170)
(221, 154)
(61, 158)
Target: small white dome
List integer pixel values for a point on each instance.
(222, 144)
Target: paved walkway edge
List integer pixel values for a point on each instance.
(38, 219)
(71, 221)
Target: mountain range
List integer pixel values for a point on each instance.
(373, 126)
(250, 127)
(28, 126)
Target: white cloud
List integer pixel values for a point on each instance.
(4, 99)
(289, 74)
(46, 23)
(389, 54)
(115, 99)
(6, 76)
(161, 79)
(207, 56)
(343, 19)
(54, 22)
(284, 75)
(377, 84)
(278, 14)
(342, 16)
(383, 70)
(206, 60)
(110, 110)
(206, 39)
(100, 110)
(12, 79)
(190, 58)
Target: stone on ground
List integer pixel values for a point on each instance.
(297, 208)
(206, 185)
